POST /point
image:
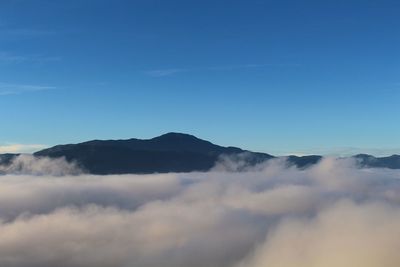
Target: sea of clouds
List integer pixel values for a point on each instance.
(332, 214)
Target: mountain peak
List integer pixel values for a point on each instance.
(176, 135)
(170, 152)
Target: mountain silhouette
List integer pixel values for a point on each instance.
(173, 152)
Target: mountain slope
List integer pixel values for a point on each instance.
(172, 152)
(391, 162)
(7, 158)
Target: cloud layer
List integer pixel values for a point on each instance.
(332, 214)
(30, 165)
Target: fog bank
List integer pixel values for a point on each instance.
(332, 214)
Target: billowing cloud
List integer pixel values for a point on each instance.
(28, 164)
(344, 234)
(332, 214)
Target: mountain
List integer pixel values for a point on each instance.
(303, 161)
(171, 152)
(391, 162)
(7, 158)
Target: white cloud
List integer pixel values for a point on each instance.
(345, 234)
(15, 89)
(172, 71)
(6, 57)
(28, 164)
(332, 214)
(164, 72)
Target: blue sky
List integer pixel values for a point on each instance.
(275, 76)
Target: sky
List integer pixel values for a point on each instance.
(281, 77)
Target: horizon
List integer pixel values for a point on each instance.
(343, 152)
(312, 85)
(277, 77)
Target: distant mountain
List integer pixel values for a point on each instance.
(391, 162)
(303, 161)
(7, 158)
(172, 152)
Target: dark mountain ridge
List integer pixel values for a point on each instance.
(7, 158)
(172, 152)
(391, 162)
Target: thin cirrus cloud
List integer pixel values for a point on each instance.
(332, 214)
(14, 34)
(15, 89)
(172, 71)
(251, 66)
(164, 72)
(10, 58)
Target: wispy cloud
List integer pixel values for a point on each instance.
(250, 66)
(22, 33)
(27, 32)
(6, 57)
(21, 148)
(164, 72)
(172, 71)
(15, 89)
(342, 151)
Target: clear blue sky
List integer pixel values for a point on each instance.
(274, 76)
